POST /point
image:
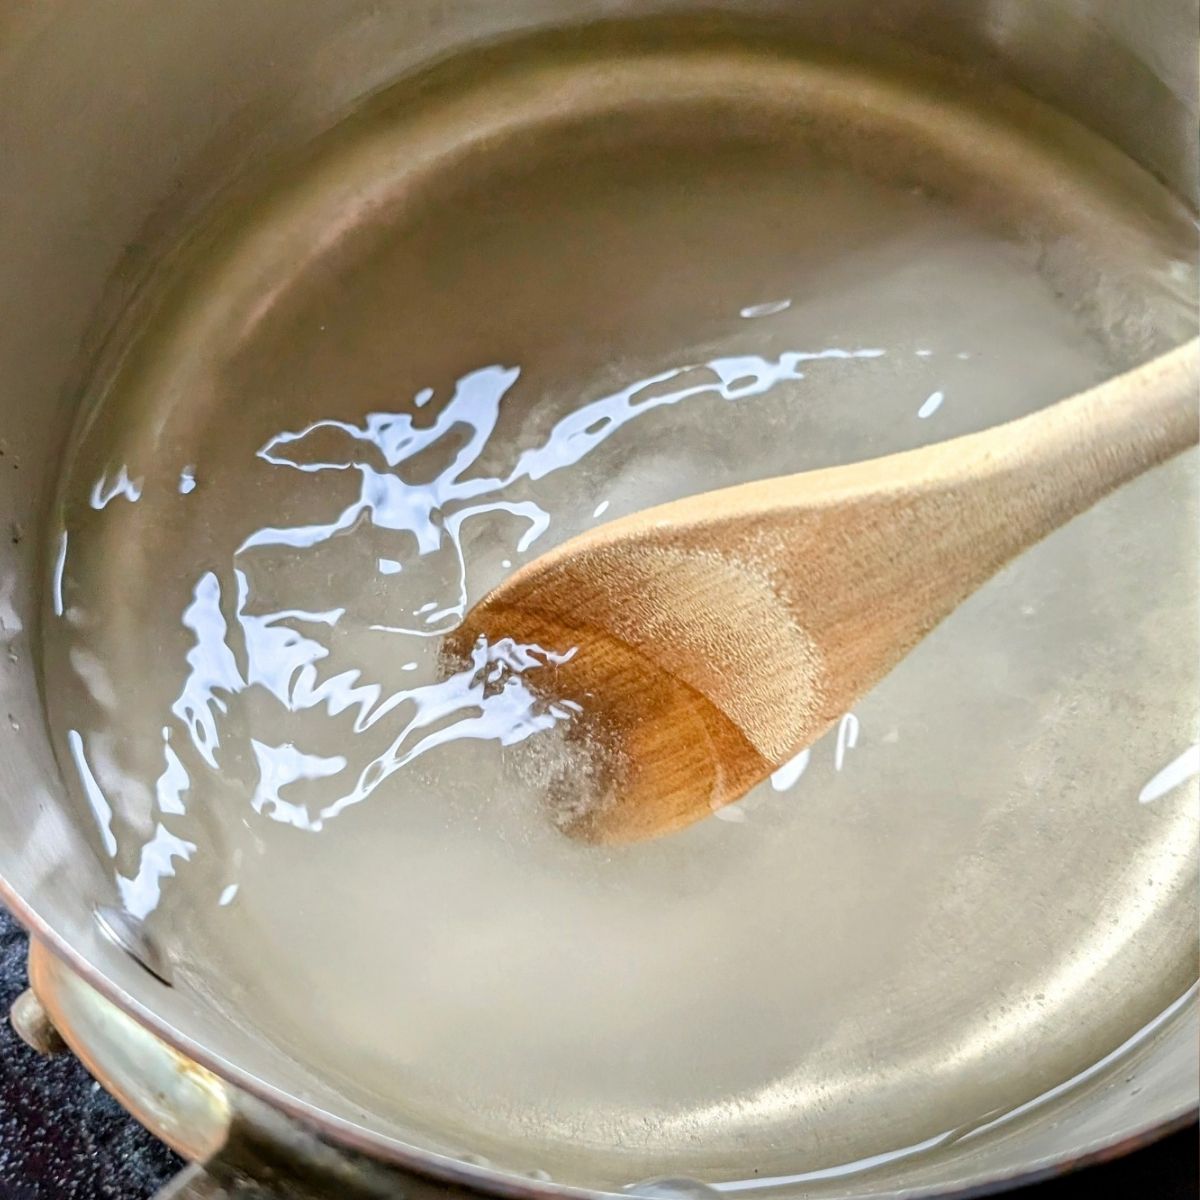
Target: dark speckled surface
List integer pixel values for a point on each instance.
(63, 1138)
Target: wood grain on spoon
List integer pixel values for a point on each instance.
(721, 634)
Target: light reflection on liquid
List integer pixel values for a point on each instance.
(106, 490)
(494, 697)
(434, 513)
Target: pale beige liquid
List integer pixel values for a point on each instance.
(328, 837)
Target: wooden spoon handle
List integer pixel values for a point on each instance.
(1058, 462)
(869, 557)
(720, 634)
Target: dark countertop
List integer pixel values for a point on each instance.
(63, 1138)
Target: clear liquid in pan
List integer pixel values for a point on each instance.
(359, 410)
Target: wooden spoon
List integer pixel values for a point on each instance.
(719, 635)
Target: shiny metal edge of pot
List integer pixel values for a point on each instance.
(229, 1133)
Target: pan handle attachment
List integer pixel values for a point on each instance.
(241, 1147)
(33, 1025)
(268, 1156)
(197, 1183)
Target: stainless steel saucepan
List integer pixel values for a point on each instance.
(119, 124)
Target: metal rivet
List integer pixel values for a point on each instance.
(33, 1025)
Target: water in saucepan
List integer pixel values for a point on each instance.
(429, 354)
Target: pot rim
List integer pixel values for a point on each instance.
(477, 1178)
